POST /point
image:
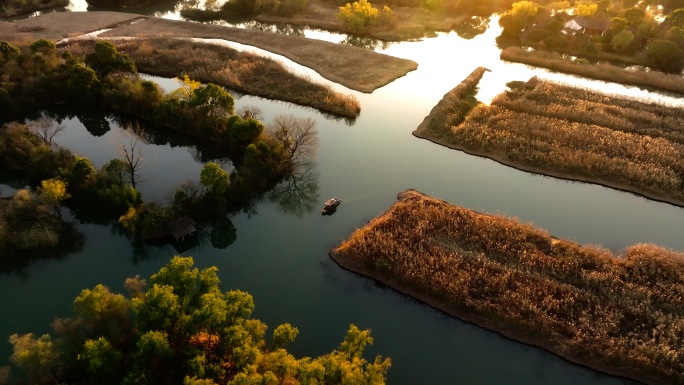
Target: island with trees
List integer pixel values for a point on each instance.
(180, 328)
(617, 314)
(102, 77)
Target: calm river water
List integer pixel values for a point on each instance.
(279, 253)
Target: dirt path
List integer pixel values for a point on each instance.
(355, 68)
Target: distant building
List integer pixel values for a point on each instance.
(589, 25)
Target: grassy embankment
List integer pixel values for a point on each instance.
(576, 134)
(603, 71)
(241, 71)
(623, 316)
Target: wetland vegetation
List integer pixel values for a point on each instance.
(574, 134)
(616, 313)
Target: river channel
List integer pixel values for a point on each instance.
(278, 252)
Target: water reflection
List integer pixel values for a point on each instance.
(223, 233)
(472, 27)
(366, 42)
(299, 193)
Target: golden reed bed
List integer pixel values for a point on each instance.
(622, 315)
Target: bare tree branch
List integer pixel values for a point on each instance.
(46, 129)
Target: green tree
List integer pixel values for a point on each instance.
(283, 335)
(664, 55)
(622, 41)
(106, 59)
(212, 100)
(634, 15)
(83, 82)
(675, 18)
(215, 178)
(102, 360)
(105, 313)
(8, 51)
(676, 35)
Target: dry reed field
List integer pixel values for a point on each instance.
(453, 108)
(603, 71)
(623, 315)
(579, 135)
(241, 71)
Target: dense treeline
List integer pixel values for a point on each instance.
(623, 315)
(632, 31)
(181, 329)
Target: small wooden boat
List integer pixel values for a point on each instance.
(330, 205)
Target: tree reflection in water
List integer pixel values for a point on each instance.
(298, 193)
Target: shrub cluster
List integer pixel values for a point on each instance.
(622, 314)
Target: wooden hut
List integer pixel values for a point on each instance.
(182, 227)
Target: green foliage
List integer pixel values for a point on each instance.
(622, 41)
(106, 59)
(101, 358)
(7, 51)
(215, 178)
(42, 45)
(676, 35)
(83, 82)
(675, 18)
(212, 100)
(283, 335)
(358, 15)
(634, 15)
(664, 55)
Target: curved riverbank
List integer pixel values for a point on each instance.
(528, 286)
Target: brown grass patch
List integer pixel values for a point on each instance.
(241, 71)
(622, 315)
(604, 71)
(580, 135)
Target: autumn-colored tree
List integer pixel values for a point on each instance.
(53, 192)
(519, 17)
(358, 15)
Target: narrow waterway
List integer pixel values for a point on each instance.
(279, 252)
